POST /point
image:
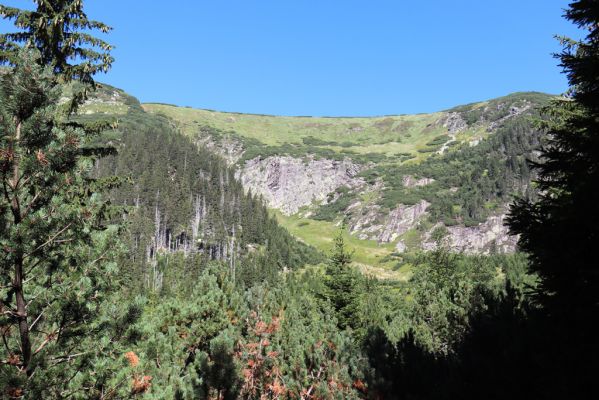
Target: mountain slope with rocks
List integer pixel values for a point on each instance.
(180, 201)
(409, 181)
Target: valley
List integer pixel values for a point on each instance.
(153, 251)
(398, 184)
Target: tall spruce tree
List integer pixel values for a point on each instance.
(561, 229)
(57, 257)
(61, 31)
(342, 284)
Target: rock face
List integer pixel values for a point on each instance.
(401, 220)
(409, 181)
(112, 97)
(454, 123)
(514, 111)
(400, 247)
(369, 224)
(230, 149)
(289, 183)
(491, 234)
(365, 222)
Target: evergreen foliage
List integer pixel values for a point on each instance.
(58, 256)
(560, 228)
(483, 177)
(62, 33)
(341, 284)
(203, 296)
(333, 208)
(446, 291)
(58, 265)
(183, 198)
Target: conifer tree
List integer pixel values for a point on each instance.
(61, 31)
(54, 266)
(57, 256)
(342, 283)
(561, 229)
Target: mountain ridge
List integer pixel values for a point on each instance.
(385, 174)
(159, 103)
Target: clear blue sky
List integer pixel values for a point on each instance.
(331, 57)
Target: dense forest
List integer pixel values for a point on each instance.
(181, 198)
(134, 264)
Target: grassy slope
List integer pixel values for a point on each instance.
(393, 137)
(370, 256)
(389, 135)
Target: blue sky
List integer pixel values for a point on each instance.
(331, 57)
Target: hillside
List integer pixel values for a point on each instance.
(399, 183)
(181, 199)
(149, 251)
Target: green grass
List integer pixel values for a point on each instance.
(275, 130)
(391, 136)
(411, 239)
(105, 99)
(368, 255)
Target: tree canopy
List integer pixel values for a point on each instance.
(561, 228)
(62, 32)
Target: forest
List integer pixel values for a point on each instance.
(135, 265)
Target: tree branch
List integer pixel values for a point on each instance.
(49, 240)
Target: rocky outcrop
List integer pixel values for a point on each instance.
(400, 247)
(490, 235)
(401, 220)
(370, 224)
(230, 149)
(454, 122)
(514, 111)
(365, 221)
(409, 181)
(474, 142)
(289, 183)
(109, 97)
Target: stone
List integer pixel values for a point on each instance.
(401, 220)
(289, 183)
(409, 181)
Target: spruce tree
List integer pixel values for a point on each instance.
(62, 32)
(561, 229)
(342, 284)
